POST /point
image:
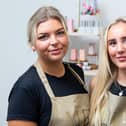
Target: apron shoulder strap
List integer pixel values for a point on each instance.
(44, 79)
(77, 76)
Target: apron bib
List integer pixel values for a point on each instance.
(71, 110)
(114, 113)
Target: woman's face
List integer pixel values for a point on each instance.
(52, 41)
(116, 43)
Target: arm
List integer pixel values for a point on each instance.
(21, 123)
(22, 109)
(92, 84)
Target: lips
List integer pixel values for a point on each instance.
(55, 51)
(121, 58)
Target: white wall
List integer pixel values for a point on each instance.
(15, 54)
(112, 9)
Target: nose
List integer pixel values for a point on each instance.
(53, 40)
(120, 47)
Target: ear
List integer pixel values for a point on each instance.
(33, 48)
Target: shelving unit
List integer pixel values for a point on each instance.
(89, 37)
(82, 34)
(90, 72)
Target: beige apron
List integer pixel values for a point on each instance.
(72, 110)
(114, 113)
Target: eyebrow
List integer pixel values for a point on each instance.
(122, 38)
(54, 31)
(111, 40)
(60, 29)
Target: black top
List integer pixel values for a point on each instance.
(28, 99)
(116, 88)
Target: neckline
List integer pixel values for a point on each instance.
(118, 84)
(120, 89)
(57, 77)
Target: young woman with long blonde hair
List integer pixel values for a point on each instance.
(108, 88)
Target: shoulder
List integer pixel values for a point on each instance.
(92, 83)
(27, 79)
(28, 82)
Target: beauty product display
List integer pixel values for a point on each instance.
(82, 55)
(73, 54)
(91, 49)
(70, 25)
(89, 17)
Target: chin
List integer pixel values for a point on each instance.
(56, 59)
(60, 57)
(122, 67)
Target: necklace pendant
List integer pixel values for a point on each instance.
(120, 93)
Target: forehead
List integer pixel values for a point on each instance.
(117, 30)
(49, 24)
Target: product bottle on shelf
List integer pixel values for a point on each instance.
(91, 49)
(92, 56)
(73, 54)
(82, 55)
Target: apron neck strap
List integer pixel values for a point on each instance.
(44, 79)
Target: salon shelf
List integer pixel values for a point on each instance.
(84, 34)
(81, 39)
(90, 72)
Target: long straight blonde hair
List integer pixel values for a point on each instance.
(107, 73)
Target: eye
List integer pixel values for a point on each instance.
(43, 37)
(124, 40)
(60, 33)
(112, 43)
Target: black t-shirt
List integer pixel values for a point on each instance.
(116, 88)
(28, 99)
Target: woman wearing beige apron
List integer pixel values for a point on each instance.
(108, 88)
(51, 92)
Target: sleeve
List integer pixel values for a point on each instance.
(22, 105)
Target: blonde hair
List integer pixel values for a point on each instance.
(107, 73)
(41, 15)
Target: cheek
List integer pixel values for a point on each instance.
(66, 45)
(65, 41)
(39, 49)
(42, 45)
(111, 51)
